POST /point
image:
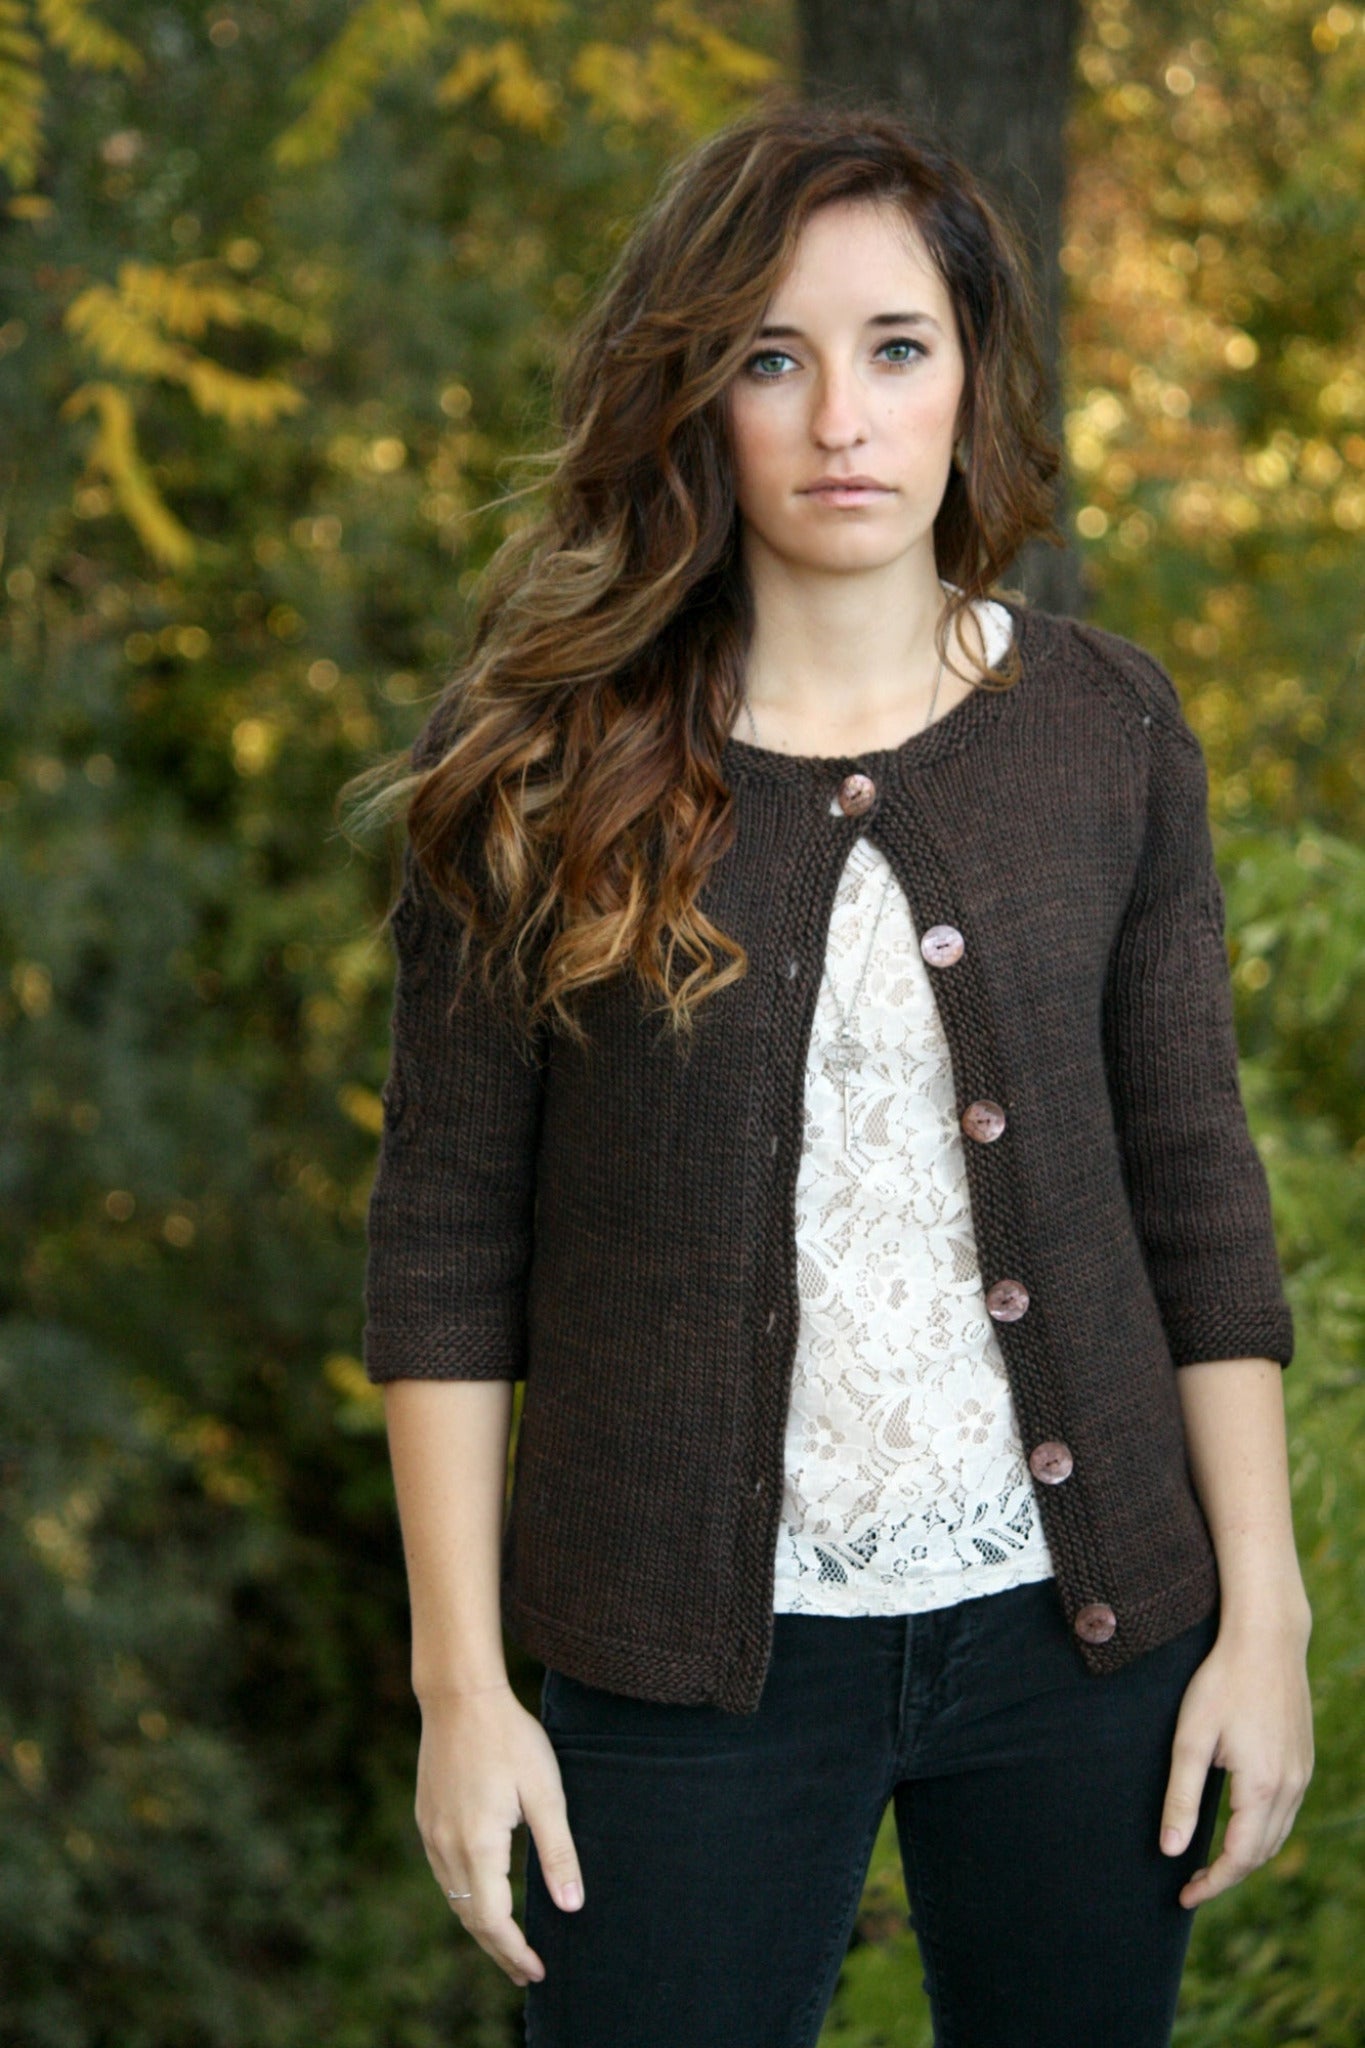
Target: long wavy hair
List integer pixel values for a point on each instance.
(566, 798)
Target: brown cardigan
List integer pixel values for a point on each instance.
(615, 1224)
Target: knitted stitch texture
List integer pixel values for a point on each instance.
(614, 1223)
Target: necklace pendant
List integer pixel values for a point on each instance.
(843, 1052)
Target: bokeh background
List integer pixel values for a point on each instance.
(281, 292)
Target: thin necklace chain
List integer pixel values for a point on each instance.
(848, 1048)
(749, 709)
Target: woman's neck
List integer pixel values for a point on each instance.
(849, 663)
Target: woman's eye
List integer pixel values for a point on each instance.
(769, 355)
(763, 364)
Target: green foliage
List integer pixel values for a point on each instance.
(1276, 1959)
(1215, 253)
(249, 408)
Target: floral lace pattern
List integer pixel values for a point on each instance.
(906, 1486)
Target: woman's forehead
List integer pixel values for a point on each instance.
(863, 247)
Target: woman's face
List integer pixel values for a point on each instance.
(856, 372)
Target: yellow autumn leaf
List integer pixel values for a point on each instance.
(117, 327)
(382, 37)
(725, 57)
(180, 301)
(22, 96)
(613, 82)
(241, 401)
(363, 1107)
(186, 300)
(690, 75)
(361, 1406)
(119, 337)
(71, 27)
(114, 452)
(518, 93)
(507, 13)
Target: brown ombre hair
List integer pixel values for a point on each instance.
(566, 799)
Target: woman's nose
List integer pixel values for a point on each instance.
(839, 412)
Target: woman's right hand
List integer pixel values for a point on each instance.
(484, 1765)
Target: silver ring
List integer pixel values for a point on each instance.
(459, 1895)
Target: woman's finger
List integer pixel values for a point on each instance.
(1246, 1845)
(479, 1880)
(487, 1915)
(1191, 1755)
(547, 1818)
(1285, 1814)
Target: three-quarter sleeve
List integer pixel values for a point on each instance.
(450, 1220)
(1196, 1183)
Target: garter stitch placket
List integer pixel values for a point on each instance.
(614, 1223)
(906, 1487)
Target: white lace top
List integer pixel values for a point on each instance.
(906, 1486)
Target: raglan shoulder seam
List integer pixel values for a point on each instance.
(1128, 674)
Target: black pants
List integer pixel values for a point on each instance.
(724, 1854)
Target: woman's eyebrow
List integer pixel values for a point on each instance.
(877, 320)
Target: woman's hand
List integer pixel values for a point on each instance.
(1247, 1708)
(485, 1764)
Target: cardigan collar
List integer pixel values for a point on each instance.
(957, 727)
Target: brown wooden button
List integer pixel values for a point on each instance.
(1007, 1300)
(942, 944)
(1051, 1462)
(1095, 1623)
(857, 793)
(984, 1121)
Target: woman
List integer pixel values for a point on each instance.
(814, 1075)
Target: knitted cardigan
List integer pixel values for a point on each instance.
(614, 1223)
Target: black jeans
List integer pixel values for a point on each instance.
(724, 1854)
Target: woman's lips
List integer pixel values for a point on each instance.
(847, 494)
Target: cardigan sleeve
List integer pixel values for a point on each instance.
(451, 1210)
(1196, 1183)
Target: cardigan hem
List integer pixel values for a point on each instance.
(680, 1678)
(1144, 1625)
(641, 1670)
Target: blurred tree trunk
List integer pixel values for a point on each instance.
(994, 80)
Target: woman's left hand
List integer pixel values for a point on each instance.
(1247, 1708)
